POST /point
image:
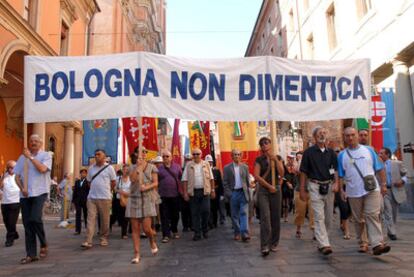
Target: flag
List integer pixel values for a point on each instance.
(199, 132)
(100, 134)
(176, 144)
(241, 136)
(149, 131)
(383, 131)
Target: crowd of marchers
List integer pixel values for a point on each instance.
(147, 197)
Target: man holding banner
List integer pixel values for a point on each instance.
(37, 177)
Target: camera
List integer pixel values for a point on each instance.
(408, 148)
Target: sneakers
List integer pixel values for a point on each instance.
(265, 252)
(246, 238)
(381, 249)
(165, 239)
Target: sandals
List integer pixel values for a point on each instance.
(86, 245)
(29, 260)
(43, 252)
(135, 260)
(347, 237)
(298, 234)
(104, 243)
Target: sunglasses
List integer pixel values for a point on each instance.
(237, 154)
(144, 151)
(266, 142)
(165, 156)
(196, 154)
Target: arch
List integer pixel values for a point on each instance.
(9, 49)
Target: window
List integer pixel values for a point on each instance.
(280, 43)
(64, 39)
(272, 51)
(269, 26)
(363, 6)
(330, 21)
(30, 11)
(311, 47)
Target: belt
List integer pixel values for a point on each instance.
(238, 189)
(321, 182)
(199, 189)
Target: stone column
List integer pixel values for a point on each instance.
(69, 148)
(78, 151)
(404, 108)
(40, 129)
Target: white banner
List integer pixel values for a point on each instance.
(146, 84)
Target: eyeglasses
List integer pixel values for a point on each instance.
(196, 154)
(266, 142)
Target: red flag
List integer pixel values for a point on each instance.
(176, 145)
(149, 131)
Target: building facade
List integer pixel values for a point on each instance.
(45, 28)
(373, 29)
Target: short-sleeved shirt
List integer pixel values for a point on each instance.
(11, 192)
(38, 183)
(319, 164)
(67, 192)
(264, 165)
(168, 183)
(368, 163)
(123, 186)
(101, 185)
(198, 175)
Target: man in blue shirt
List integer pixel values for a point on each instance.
(355, 164)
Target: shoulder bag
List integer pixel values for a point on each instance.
(370, 183)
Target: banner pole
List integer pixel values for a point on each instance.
(273, 137)
(26, 163)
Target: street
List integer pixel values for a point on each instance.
(217, 256)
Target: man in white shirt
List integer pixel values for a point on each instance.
(198, 183)
(354, 164)
(32, 198)
(101, 177)
(10, 205)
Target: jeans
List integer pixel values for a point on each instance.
(32, 212)
(10, 214)
(239, 213)
(169, 209)
(200, 211)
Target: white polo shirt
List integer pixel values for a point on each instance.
(101, 185)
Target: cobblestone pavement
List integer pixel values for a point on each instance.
(217, 256)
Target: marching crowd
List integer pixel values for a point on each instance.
(143, 196)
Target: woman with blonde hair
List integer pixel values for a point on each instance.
(141, 208)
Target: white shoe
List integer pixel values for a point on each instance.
(135, 260)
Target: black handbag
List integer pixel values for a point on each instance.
(370, 182)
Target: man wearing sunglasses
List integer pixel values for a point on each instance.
(198, 182)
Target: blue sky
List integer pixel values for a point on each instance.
(210, 28)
